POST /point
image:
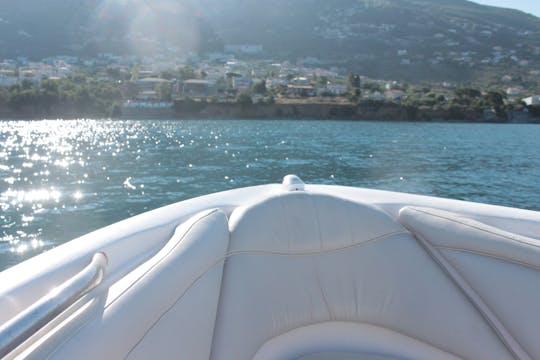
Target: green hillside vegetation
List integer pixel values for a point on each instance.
(77, 93)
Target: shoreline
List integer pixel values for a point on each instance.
(362, 111)
(145, 118)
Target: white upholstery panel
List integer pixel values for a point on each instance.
(299, 222)
(501, 267)
(391, 283)
(166, 307)
(511, 291)
(448, 230)
(350, 338)
(184, 332)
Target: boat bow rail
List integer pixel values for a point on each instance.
(20, 328)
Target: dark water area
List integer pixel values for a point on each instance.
(62, 179)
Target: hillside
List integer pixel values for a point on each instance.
(409, 39)
(40, 28)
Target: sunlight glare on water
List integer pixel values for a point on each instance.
(62, 179)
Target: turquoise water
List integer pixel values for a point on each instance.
(62, 179)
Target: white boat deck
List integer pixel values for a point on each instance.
(440, 225)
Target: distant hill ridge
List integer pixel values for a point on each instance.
(416, 38)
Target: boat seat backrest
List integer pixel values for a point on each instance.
(303, 265)
(501, 267)
(163, 309)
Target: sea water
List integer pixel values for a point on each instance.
(61, 179)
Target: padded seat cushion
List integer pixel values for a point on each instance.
(301, 259)
(345, 340)
(166, 307)
(501, 267)
(298, 223)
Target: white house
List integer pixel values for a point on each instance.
(242, 83)
(394, 94)
(532, 100)
(273, 83)
(337, 89)
(514, 91)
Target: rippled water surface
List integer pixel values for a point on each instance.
(61, 179)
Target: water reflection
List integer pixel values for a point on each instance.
(61, 179)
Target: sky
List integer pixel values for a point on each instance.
(529, 6)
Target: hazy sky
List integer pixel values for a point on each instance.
(529, 6)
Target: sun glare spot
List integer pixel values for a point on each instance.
(128, 185)
(21, 248)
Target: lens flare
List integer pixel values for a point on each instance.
(147, 27)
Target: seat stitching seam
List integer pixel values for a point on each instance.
(310, 253)
(512, 237)
(479, 304)
(87, 321)
(158, 320)
(228, 255)
(503, 258)
(165, 256)
(220, 295)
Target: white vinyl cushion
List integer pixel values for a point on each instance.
(503, 268)
(297, 223)
(355, 340)
(165, 308)
(302, 274)
(448, 230)
(301, 259)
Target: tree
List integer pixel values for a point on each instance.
(354, 81)
(186, 73)
(372, 87)
(230, 76)
(27, 84)
(130, 89)
(49, 86)
(494, 98)
(4, 96)
(114, 73)
(244, 99)
(168, 75)
(468, 93)
(116, 110)
(164, 91)
(78, 91)
(354, 95)
(135, 73)
(534, 110)
(23, 99)
(49, 93)
(259, 87)
(78, 78)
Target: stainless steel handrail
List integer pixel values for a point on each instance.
(20, 328)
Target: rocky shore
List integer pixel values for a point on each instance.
(364, 110)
